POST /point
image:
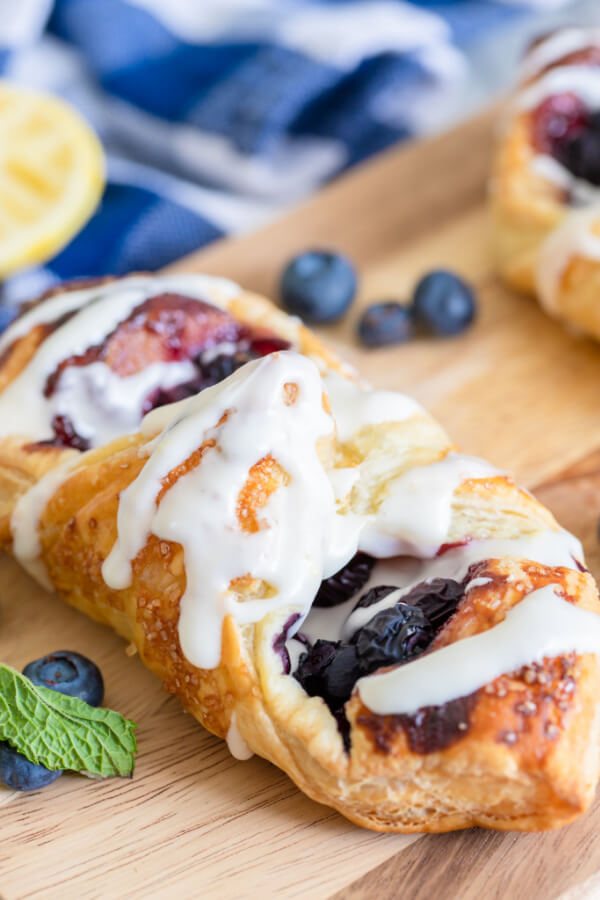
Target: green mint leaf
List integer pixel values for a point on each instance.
(63, 732)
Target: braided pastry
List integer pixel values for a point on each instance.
(308, 565)
(545, 189)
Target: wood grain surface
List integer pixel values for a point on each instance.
(195, 822)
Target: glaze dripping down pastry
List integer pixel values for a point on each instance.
(545, 188)
(299, 557)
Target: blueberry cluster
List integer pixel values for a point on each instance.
(442, 305)
(320, 285)
(397, 634)
(68, 673)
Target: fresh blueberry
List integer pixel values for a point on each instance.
(386, 323)
(18, 773)
(318, 285)
(443, 303)
(68, 673)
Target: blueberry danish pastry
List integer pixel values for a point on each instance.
(307, 564)
(545, 188)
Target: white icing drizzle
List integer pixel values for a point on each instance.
(548, 548)
(236, 743)
(556, 46)
(542, 625)
(24, 409)
(26, 517)
(353, 408)
(415, 514)
(582, 80)
(103, 405)
(573, 237)
(302, 539)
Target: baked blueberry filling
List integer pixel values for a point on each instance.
(66, 435)
(168, 328)
(280, 641)
(429, 730)
(345, 583)
(564, 128)
(397, 634)
(580, 153)
(215, 369)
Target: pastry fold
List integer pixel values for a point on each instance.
(517, 752)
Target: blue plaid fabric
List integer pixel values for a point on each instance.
(215, 114)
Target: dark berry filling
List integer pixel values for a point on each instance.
(169, 328)
(438, 599)
(557, 119)
(429, 730)
(580, 153)
(374, 596)
(66, 435)
(454, 545)
(397, 634)
(279, 643)
(564, 128)
(345, 583)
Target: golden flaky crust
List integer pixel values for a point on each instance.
(522, 753)
(527, 208)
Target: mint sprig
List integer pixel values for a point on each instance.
(62, 732)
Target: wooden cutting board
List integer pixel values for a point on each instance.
(195, 822)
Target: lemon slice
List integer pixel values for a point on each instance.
(51, 175)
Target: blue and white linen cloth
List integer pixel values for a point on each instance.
(216, 114)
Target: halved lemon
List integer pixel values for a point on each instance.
(51, 175)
